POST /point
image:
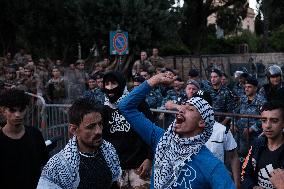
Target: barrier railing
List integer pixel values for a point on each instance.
(52, 119)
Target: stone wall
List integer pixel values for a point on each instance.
(254, 62)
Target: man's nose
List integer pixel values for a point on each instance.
(97, 130)
(181, 109)
(17, 113)
(268, 124)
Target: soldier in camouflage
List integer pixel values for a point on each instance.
(142, 64)
(94, 92)
(238, 89)
(249, 128)
(10, 78)
(222, 97)
(56, 90)
(156, 60)
(274, 85)
(153, 99)
(194, 74)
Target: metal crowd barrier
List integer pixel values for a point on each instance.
(52, 119)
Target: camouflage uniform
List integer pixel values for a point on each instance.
(31, 84)
(42, 73)
(56, 90)
(154, 98)
(158, 62)
(177, 97)
(10, 83)
(77, 83)
(96, 95)
(142, 65)
(222, 101)
(205, 85)
(238, 90)
(255, 124)
(269, 92)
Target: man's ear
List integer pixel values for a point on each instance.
(72, 129)
(201, 123)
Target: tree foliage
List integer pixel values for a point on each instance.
(270, 17)
(55, 27)
(276, 40)
(194, 28)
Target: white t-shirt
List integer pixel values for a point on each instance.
(220, 141)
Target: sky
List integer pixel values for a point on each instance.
(252, 4)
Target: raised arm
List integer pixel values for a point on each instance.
(148, 131)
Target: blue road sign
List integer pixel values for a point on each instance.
(118, 43)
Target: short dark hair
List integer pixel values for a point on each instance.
(218, 72)
(14, 98)
(82, 107)
(251, 80)
(273, 105)
(167, 70)
(193, 73)
(244, 75)
(225, 75)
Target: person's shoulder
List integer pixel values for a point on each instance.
(218, 127)
(32, 130)
(227, 90)
(259, 143)
(259, 98)
(206, 158)
(206, 161)
(137, 62)
(243, 99)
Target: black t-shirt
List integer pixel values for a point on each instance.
(268, 161)
(94, 172)
(22, 159)
(129, 146)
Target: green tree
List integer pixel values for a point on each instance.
(276, 40)
(272, 15)
(195, 13)
(54, 28)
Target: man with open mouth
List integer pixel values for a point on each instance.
(181, 158)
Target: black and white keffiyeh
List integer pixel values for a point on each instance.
(173, 151)
(63, 168)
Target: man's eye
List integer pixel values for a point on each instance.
(12, 109)
(274, 120)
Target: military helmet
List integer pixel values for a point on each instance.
(273, 70)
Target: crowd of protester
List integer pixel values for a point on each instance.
(114, 131)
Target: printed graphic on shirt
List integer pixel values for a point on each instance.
(186, 176)
(118, 123)
(263, 177)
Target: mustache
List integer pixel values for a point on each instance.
(98, 136)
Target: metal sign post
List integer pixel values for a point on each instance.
(118, 44)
